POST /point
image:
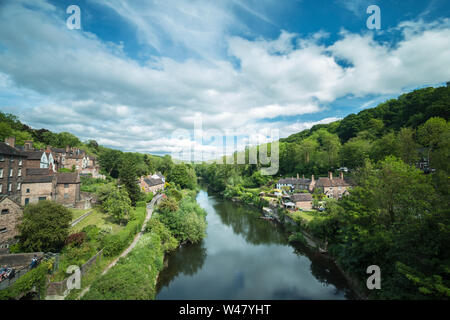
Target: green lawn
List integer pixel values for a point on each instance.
(98, 218)
(306, 216)
(76, 213)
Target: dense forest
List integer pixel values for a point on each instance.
(397, 216)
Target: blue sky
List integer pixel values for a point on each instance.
(139, 73)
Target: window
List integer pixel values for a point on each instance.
(27, 200)
(10, 172)
(11, 158)
(20, 161)
(28, 190)
(42, 198)
(66, 185)
(3, 230)
(1, 173)
(2, 157)
(19, 172)
(10, 187)
(66, 196)
(19, 185)
(1, 188)
(5, 211)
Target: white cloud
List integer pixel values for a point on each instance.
(92, 87)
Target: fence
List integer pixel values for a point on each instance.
(20, 263)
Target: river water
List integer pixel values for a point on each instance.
(246, 257)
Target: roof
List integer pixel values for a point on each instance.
(67, 177)
(58, 150)
(335, 182)
(38, 179)
(294, 181)
(8, 150)
(37, 171)
(153, 182)
(299, 197)
(33, 155)
(7, 197)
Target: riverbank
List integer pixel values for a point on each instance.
(135, 275)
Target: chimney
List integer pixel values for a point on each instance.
(330, 175)
(48, 150)
(11, 141)
(303, 177)
(341, 175)
(67, 149)
(28, 145)
(312, 178)
(297, 176)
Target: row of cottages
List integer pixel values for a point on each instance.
(26, 177)
(152, 183)
(332, 187)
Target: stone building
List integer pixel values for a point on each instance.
(68, 188)
(297, 183)
(152, 183)
(38, 187)
(302, 201)
(10, 216)
(333, 187)
(12, 163)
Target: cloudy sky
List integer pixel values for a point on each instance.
(138, 72)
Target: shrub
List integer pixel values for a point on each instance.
(76, 239)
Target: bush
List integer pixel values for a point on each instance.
(45, 227)
(114, 244)
(76, 239)
(297, 237)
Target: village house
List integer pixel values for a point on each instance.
(302, 201)
(297, 183)
(152, 183)
(37, 188)
(39, 158)
(333, 187)
(68, 188)
(10, 216)
(12, 172)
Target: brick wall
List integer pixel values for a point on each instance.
(9, 219)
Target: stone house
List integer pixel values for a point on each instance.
(302, 201)
(333, 187)
(40, 158)
(38, 187)
(152, 183)
(12, 172)
(68, 188)
(11, 214)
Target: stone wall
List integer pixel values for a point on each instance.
(68, 195)
(19, 259)
(10, 215)
(37, 190)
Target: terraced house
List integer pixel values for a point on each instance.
(12, 163)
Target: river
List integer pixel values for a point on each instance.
(245, 257)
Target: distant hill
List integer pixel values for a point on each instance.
(408, 110)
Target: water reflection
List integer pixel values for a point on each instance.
(245, 257)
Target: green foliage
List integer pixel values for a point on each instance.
(45, 227)
(297, 237)
(183, 175)
(187, 223)
(115, 201)
(115, 243)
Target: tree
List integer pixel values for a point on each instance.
(432, 133)
(407, 147)
(45, 227)
(182, 175)
(118, 204)
(128, 178)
